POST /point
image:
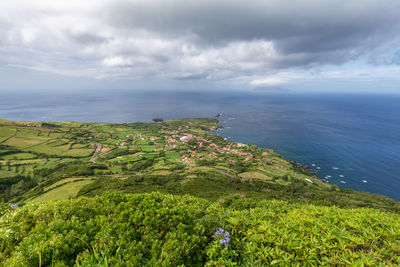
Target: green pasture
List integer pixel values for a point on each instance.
(18, 156)
(127, 158)
(6, 174)
(66, 191)
(6, 132)
(65, 181)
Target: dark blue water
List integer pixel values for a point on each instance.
(350, 140)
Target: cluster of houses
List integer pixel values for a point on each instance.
(172, 141)
(174, 138)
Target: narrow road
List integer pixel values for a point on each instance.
(97, 150)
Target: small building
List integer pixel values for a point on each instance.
(184, 138)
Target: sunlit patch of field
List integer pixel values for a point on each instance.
(225, 169)
(5, 174)
(105, 150)
(128, 157)
(27, 132)
(58, 142)
(78, 152)
(25, 142)
(6, 132)
(280, 161)
(54, 135)
(77, 146)
(272, 171)
(162, 172)
(50, 150)
(24, 162)
(20, 123)
(67, 191)
(19, 156)
(160, 165)
(254, 175)
(61, 150)
(65, 181)
(151, 155)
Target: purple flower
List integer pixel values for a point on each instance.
(14, 206)
(222, 236)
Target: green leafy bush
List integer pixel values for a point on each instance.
(163, 230)
(130, 229)
(291, 234)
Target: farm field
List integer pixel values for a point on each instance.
(66, 191)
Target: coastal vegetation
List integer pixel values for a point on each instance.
(174, 193)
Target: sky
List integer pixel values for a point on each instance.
(260, 45)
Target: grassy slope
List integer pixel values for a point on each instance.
(65, 191)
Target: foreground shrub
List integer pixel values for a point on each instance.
(282, 234)
(128, 229)
(164, 230)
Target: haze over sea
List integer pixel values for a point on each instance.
(352, 140)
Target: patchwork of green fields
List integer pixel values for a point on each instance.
(180, 156)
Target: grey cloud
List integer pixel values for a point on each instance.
(88, 38)
(194, 40)
(191, 77)
(217, 21)
(304, 32)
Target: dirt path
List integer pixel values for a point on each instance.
(98, 149)
(93, 157)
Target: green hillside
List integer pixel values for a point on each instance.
(274, 211)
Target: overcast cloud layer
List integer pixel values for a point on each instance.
(259, 43)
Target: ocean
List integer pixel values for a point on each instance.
(352, 140)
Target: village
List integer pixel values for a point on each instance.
(192, 146)
(198, 148)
